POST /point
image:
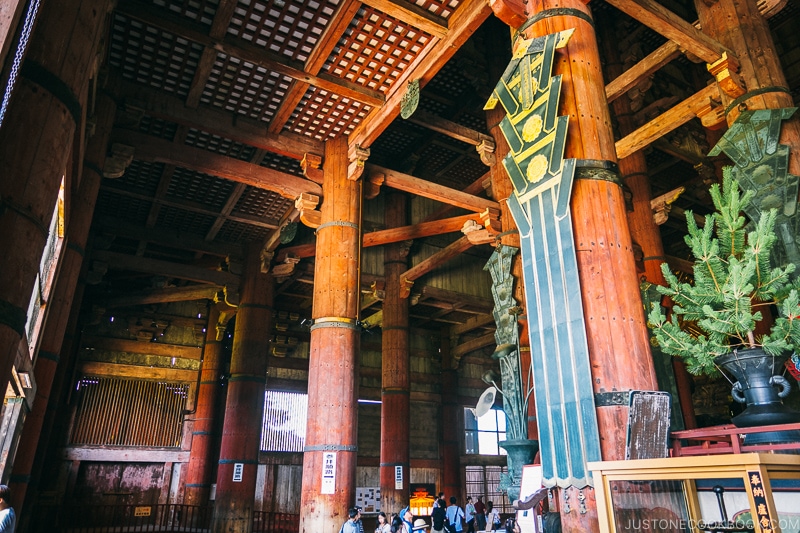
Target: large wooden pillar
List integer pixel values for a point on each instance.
(244, 408)
(451, 443)
(616, 332)
(65, 297)
(738, 25)
(642, 224)
(204, 437)
(395, 372)
(35, 143)
(329, 462)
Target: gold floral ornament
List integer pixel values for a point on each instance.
(536, 168)
(532, 128)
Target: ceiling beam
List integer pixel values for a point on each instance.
(467, 18)
(92, 368)
(119, 261)
(387, 236)
(160, 296)
(149, 148)
(680, 114)
(410, 13)
(449, 128)
(665, 22)
(246, 51)
(641, 70)
(219, 26)
(142, 347)
(473, 344)
(431, 263)
(474, 322)
(205, 118)
(440, 193)
(316, 60)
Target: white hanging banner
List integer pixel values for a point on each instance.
(328, 473)
(398, 477)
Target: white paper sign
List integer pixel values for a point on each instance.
(328, 473)
(238, 468)
(398, 477)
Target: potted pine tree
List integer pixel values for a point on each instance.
(735, 286)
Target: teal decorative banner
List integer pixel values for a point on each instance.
(542, 179)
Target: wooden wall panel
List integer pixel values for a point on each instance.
(118, 483)
(369, 428)
(425, 424)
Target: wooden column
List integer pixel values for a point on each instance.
(615, 326)
(199, 474)
(451, 443)
(644, 230)
(244, 408)
(331, 433)
(738, 25)
(81, 208)
(35, 144)
(395, 373)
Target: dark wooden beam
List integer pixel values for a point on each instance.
(475, 322)
(471, 345)
(120, 261)
(466, 19)
(142, 347)
(149, 148)
(93, 368)
(219, 26)
(412, 14)
(158, 296)
(431, 263)
(641, 70)
(427, 189)
(665, 22)
(225, 124)
(246, 51)
(449, 128)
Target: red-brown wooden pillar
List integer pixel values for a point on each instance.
(644, 230)
(738, 25)
(329, 461)
(395, 373)
(35, 144)
(616, 332)
(244, 408)
(199, 474)
(451, 440)
(81, 208)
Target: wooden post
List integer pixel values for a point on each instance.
(738, 25)
(616, 333)
(65, 292)
(329, 461)
(205, 431)
(244, 408)
(395, 373)
(35, 144)
(451, 465)
(644, 230)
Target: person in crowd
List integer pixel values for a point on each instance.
(397, 524)
(351, 525)
(420, 525)
(480, 514)
(455, 516)
(8, 519)
(406, 516)
(469, 512)
(383, 524)
(438, 516)
(492, 517)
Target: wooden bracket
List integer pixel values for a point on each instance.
(711, 115)
(476, 233)
(372, 186)
(662, 205)
(726, 71)
(357, 156)
(311, 167)
(117, 163)
(486, 150)
(286, 268)
(306, 204)
(405, 287)
(491, 220)
(511, 12)
(266, 258)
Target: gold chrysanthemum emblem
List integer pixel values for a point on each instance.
(536, 168)
(532, 128)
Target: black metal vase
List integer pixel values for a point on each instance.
(760, 386)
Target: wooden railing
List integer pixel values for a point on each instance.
(726, 439)
(163, 518)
